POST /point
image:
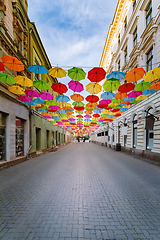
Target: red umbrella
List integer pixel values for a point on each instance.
(52, 110)
(79, 116)
(92, 98)
(115, 110)
(126, 87)
(75, 86)
(117, 115)
(96, 115)
(79, 108)
(59, 87)
(96, 74)
(2, 66)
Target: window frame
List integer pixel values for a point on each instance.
(125, 54)
(135, 37)
(148, 13)
(149, 59)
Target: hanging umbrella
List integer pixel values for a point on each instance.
(128, 99)
(77, 97)
(38, 101)
(96, 115)
(134, 94)
(42, 85)
(30, 103)
(155, 86)
(79, 112)
(96, 74)
(152, 75)
(97, 111)
(105, 102)
(88, 116)
(79, 116)
(59, 87)
(2, 66)
(142, 86)
(147, 91)
(54, 107)
(76, 74)
(116, 74)
(141, 97)
(24, 98)
(16, 90)
(42, 110)
(12, 63)
(92, 98)
(79, 108)
(126, 87)
(57, 72)
(107, 95)
(78, 104)
(63, 98)
(38, 69)
(51, 103)
(7, 78)
(75, 86)
(31, 93)
(46, 96)
(93, 88)
(135, 74)
(111, 86)
(23, 81)
(120, 95)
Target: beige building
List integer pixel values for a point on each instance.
(133, 40)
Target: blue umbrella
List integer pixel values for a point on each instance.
(55, 117)
(30, 103)
(38, 101)
(147, 92)
(42, 110)
(38, 69)
(116, 74)
(61, 111)
(63, 98)
(107, 95)
(123, 109)
(128, 99)
(87, 120)
(121, 105)
(97, 111)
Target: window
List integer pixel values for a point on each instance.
(125, 55)
(125, 23)
(135, 37)
(134, 4)
(119, 39)
(106, 133)
(149, 129)
(135, 131)
(119, 65)
(149, 59)
(19, 137)
(148, 13)
(2, 136)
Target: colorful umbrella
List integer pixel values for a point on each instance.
(79, 108)
(135, 74)
(96, 115)
(128, 99)
(155, 86)
(96, 74)
(93, 88)
(38, 69)
(91, 104)
(76, 74)
(77, 97)
(126, 87)
(42, 85)
(134, 94)
(16, 90)
(24, 98)
(63, 98)
(59, 87)
(12, 63)
(120, 95)
(57, 72)
(92, 98)
(46, 96)
(111, 86)
(2, 66)
(116, 74)
(31, 93)
(152, 75)
(7, 78)
(78, 104)
(75, 86)
(107, 95)
(147, 92)
(54, 107)
(23, 81)
(51, 102)
(38, 101)
(142, 86)
(141, 97)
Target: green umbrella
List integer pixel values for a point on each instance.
(111, 86)
(115, 100)
(142, 86)
(104, 115)
(42, 85)
(79, 112)
(7, 78)
(76, 74)
(78, 104)
(45, 107)
(90, 108)
(51, 103)
(63, 115)
(79, 119)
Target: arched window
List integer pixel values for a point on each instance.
(135, 131)
(149, 128)
(125, 132)
(119, 132)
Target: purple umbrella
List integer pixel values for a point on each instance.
(75, 86)
(48, 116)
(54, 107)
(24, 98)
(31, 93)
(134, 94)
(46, 96)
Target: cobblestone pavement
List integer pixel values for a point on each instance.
(82, 191)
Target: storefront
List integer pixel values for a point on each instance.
(2, 136)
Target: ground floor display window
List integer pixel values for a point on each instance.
(19, 137)
(2, 137)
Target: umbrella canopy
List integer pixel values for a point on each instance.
(96, 115)
(42, 85)
(134, 94)
(59, 87)
(51, 102)
(23, 81)
(91, 104)
(152, 75)
(78, 104)
(92, 98)
(16, 90)
(46, 96)
(107, 95)
(120, 95)
(7, 78)
(96, 74)
(2, 66)
(79, 108)
(24, 98)
(79, 116)
(63, 98)
(141, 97)
(76, 74)
(65, 104)
(93, 88)
(155, 86)
(75, 86)
(57, 72)
(111, 86)
(54, 107)
(135, 74)
(147, 92)
(77, 97)
(142, 86)
(31, 93)
(38, 101)
(126, 87)
(38, 69)
(12, 63)
(116, 74)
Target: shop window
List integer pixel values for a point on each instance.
(118, 132)
(149, 13)
(19, 137)
(47, 138)
(2, 136)
(125, 140)
(106, 133)
(38, 138)
(149, 59)
(135, 37)
(102, 133)
(135, 131)
(149, 129)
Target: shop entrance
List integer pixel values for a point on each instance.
(19, 137)
(2, 137)
(38, 138)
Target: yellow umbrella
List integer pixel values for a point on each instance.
(141, 97)
(16, 90)
(95, 118)
(112, 105)
(57, 72)
(93, 88)
(23, 81)
(64, 104)
(152, 75)
(71, 116)
(64, 118)
(106, 112)
(54, 114)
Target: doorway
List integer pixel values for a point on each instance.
(38, 139)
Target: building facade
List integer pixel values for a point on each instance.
(133, 40)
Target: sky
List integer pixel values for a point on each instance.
(73, 32)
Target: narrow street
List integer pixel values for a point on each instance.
(82, 191)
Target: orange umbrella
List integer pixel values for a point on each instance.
(12, 63)
(120, 95)
(67, 108)
(135, 74)
(88, 112)
(155, 86)
(77, 97)
(91, 104)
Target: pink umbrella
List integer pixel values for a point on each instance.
(48, 116)
(64, 120)
(46, 96)
(128, 103)
(24, 98)
(88, 116)
(71, 119)
(105, 102)
(54, 107)
(60, 123)
(75, 86)
(134, 94)
(31, 93)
